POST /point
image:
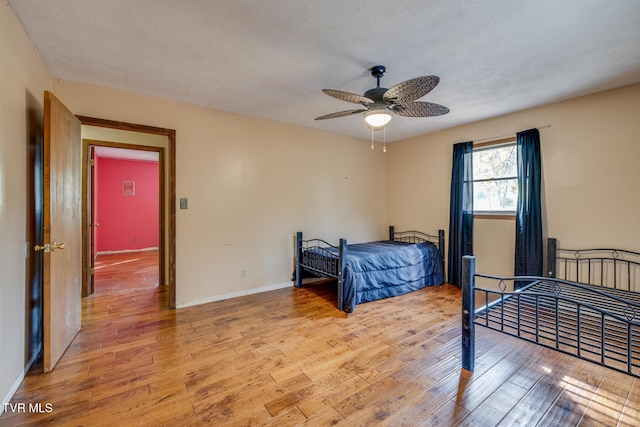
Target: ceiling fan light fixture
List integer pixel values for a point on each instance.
(381, 104)
(377, 119)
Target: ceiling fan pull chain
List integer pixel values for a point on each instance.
(384, 139)
(372, 138)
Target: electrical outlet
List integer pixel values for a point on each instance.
(184, 203)
(243, 274)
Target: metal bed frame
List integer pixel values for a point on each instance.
(611, 268)
(597, 320)
(333, 267)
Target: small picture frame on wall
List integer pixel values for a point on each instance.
(128, 188)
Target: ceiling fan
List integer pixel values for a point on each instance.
(381, 103)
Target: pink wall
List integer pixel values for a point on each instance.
(124, 219)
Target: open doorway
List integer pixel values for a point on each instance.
(124, 225)
(54, 318)
(109, 136)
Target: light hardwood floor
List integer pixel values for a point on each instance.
(288, 357)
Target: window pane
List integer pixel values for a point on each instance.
(495, 162)
(499, 195)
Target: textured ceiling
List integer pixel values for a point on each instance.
(270, 59)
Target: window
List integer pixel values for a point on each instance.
(495, 177)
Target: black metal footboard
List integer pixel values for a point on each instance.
(585, 321)
(322, 259)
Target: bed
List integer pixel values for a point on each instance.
(407, 261)
(588, 307)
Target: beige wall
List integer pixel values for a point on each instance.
(251, 185)
(590, 154)
(23, 80)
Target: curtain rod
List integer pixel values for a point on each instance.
(505, 135)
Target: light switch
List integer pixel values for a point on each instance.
(184, 203)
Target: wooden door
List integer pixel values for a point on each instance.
(62, 245)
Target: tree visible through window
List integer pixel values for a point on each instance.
(495, 178)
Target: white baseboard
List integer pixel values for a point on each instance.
(155, 248)
(236, 294)
(16, 385)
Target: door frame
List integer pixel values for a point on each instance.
(89, 184)
(167, 225)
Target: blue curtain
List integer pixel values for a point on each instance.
(460, 210)
(528, 257)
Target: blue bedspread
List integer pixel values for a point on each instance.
(383, 269)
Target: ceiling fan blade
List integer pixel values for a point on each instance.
(349, 97)
(420, 109)
(410, 90)
(340, 114)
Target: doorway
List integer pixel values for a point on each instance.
(57, 172)
(124, 203)
(166, 154)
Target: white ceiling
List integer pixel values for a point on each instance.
(271, 58)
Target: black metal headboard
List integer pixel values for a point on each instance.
(612, 268)
(418, 237)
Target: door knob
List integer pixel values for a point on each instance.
(46, 247)
(49, 247)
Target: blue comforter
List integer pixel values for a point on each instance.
(383, 269)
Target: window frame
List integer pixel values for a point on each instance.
(482, 214)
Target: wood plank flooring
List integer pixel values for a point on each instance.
(288, 357)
